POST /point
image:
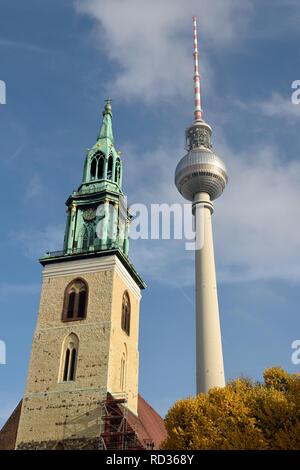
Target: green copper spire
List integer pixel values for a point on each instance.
(103, 167)
(106, 128)
(97, 216)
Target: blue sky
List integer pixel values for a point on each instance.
(59, 61)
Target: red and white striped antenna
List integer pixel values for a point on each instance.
(198, 110)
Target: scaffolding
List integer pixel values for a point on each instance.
(115, 432)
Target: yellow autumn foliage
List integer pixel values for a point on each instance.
(242, 415)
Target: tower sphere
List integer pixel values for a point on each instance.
(200, 171)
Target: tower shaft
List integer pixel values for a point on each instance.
(209, 356)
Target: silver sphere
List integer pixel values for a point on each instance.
(200, 171)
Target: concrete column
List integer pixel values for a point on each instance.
(209, 356)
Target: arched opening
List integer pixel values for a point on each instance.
(86, 237)
(125, 321)
(93, 168)
(123, 370)
(72, 364)
(118, 171)
(100, 168)
(109, 167)
(69, 358)
(75, 300)
(71, 304)
(97, 166)
(81, 303)
(66, 365)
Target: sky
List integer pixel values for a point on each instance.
(59, 61)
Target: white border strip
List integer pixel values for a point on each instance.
(105, 263)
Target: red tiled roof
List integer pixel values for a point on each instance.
(149, 425)
(8, 434)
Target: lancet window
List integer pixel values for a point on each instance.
(69, 358)
(97, 166)
(125, 321)
(75, 301)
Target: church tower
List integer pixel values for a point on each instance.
(86, 340)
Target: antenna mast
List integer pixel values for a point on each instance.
(198, 110)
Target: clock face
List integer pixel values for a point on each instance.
(89, 214)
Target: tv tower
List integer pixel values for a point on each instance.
(201, 177)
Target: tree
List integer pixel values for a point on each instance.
(242, 415)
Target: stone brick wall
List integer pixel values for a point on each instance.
(120, 342)
(67, 444)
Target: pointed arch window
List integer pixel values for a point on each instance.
(69, 358)
(87, 236)
(97, 166)
(118, 171)
(75, 300)
(81, 304)
(71, 303)
(100, 168)
(110, 168)
(123, 370)
(125, 321)
(93, 168)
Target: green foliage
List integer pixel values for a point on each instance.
(242, 415)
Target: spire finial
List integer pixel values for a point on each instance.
(107, 107)
(198, 110)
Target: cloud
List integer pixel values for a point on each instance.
(257, 223)
(33, 188)
(12, 157)
(35, 243)
(279, 106)
(152, 42)
(21, 45)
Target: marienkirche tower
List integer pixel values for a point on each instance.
(85, 345)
